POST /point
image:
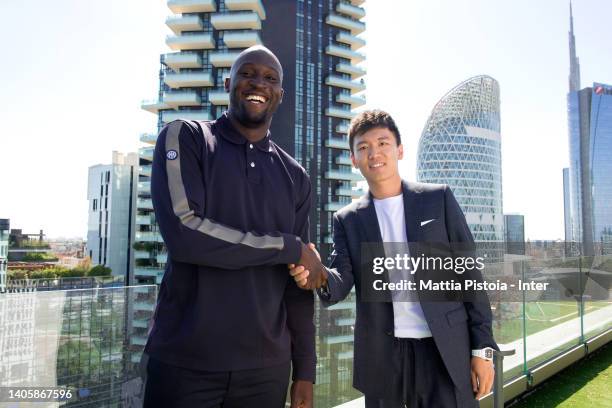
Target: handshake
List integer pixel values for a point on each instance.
(309, 273)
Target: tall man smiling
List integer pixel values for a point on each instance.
(233, 209)
(413, 354)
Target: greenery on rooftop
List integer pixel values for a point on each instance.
(57, 272)
(585, 384)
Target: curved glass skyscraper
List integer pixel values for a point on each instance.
(461, 146)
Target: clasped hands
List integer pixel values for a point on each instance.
(309, 273)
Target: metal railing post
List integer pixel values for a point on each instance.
(498, 382)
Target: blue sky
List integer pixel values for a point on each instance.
(75, 73)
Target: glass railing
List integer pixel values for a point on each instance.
(90, 340)
(85, 341)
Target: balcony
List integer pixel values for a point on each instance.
(353, 86)
(343, 175)
(149, 272)
(144, 220)
(236, 21)
(342, 128)
(350, 10)
(343, 52)
(354, 42)
(145, 171)
(149, 138)
(162, 258)
(223, 59)
(144, 203)
(339, 339)
(238, 39)
(354, 101)
(219, 98)
(144, 305)
(340, 113)
(354, 71)
(181, 98)
(153, 106)
(169, 116)
(144, 186)
(344, 159)
(141, 254)
(251, 5)
(202, 41)
(146, 152)
(148, 236)
(177, 60)
(337, 143)
(179, 24)
(141, 324)
(334, 206)
(192, 6)
(355, 27)
(188, 79)
(349, 192)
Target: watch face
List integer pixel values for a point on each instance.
(489, 353)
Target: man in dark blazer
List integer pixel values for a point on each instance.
(416, 354)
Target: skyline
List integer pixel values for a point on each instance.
(51, 83)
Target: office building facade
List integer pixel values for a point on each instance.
(590, 144)
(461, 146)
(567, 214)
(514, 233)
(111, 194)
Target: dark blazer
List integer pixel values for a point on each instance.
(457, 327)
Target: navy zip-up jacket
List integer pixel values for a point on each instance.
(232, 214)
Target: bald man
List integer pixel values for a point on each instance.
(232, 207)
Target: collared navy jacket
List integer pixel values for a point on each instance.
(232, 215)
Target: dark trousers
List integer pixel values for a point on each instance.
(168, 386)
(420, 374)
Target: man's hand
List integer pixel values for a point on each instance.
(301, 394)
(482, 376)
(300, 275)
(312, 273)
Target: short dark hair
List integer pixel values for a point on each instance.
(372, 119)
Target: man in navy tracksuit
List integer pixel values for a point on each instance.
(233, 209)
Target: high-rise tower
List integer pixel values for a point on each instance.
(318, 45)
(574, 76)
(461, 146)
(590, 151)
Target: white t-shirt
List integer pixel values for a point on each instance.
(408, 317)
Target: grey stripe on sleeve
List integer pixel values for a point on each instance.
(180, 205)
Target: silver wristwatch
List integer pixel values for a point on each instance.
(485, 353)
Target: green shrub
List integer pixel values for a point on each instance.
(38, 257)
(43, 274)
(73, 273)
(17, 274)
(99, 270)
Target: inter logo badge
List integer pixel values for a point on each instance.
(171, 154)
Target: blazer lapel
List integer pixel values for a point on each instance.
(371, 248)
(368, 219)
(412, 211)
